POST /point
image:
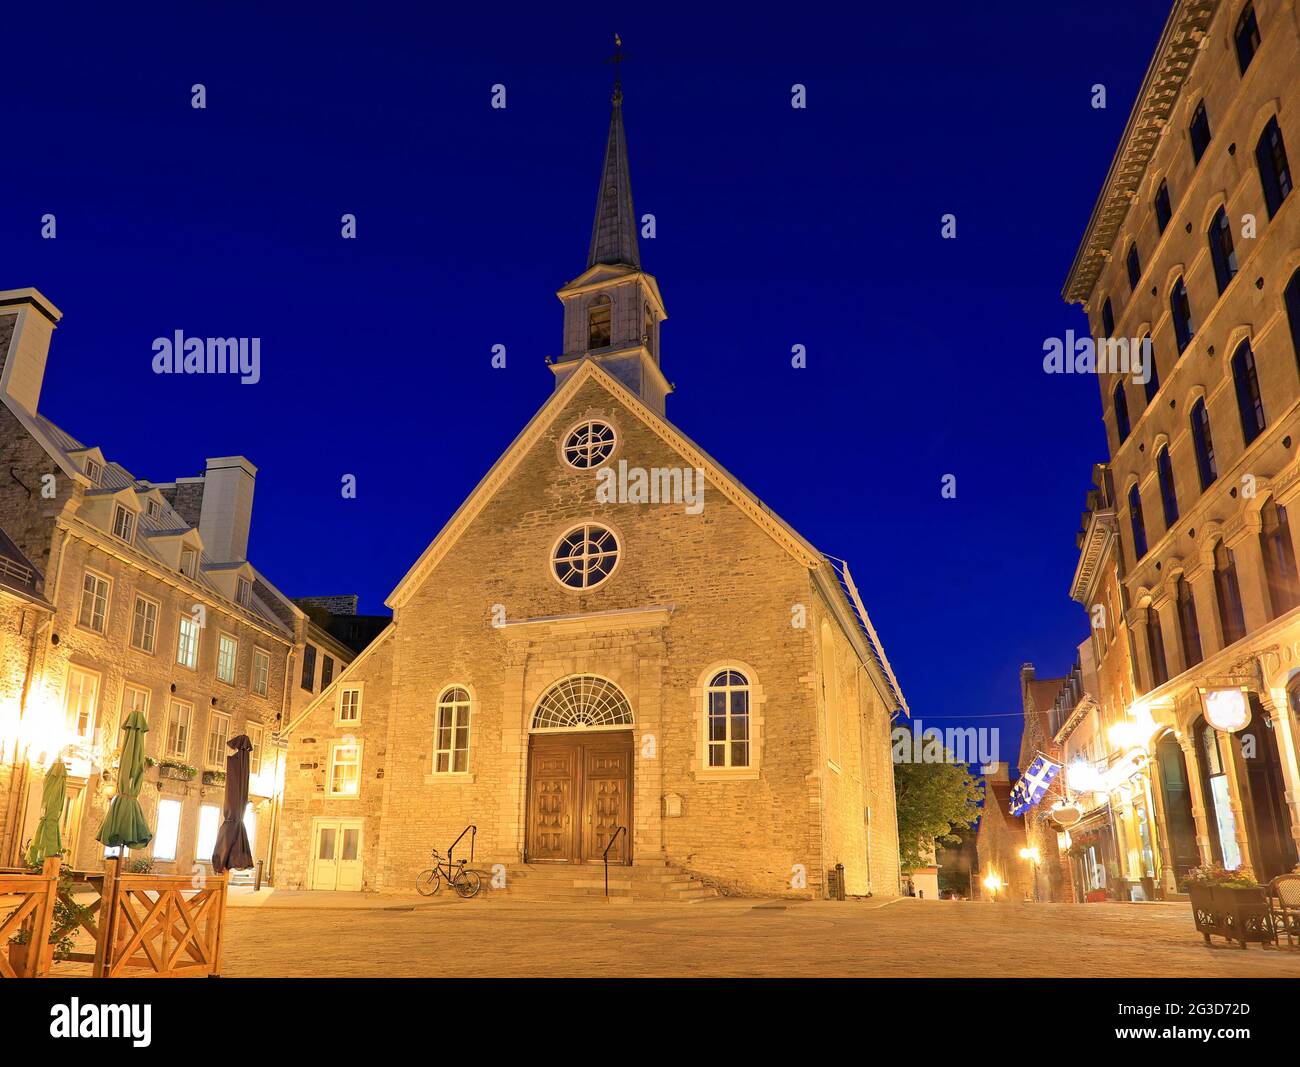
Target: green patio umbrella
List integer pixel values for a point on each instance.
(124, 824)
(47, 841)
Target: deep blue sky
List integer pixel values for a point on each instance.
(776, 227)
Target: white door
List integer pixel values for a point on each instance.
(336, 855)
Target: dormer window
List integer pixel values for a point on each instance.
(598, 323)
(243, 592)
(189, 560)
(123, 524)
(152, 509)
(94, 470)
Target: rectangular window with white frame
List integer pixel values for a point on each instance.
(187, 642)
(344, 779)
(261, 671)
(180, 717)
(81, 703)
(94, 470)
(144, 624)
(123, 523)
(218, 735)
(169, 829)
(152, 509)
(189, 561)
(256, 737)
(349, 706)
(243, 592)
(227, 654)
(94, 602)
(135, 698)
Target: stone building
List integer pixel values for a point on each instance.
(1194, 246)
(999, 840)
(609, 634)
(1038, 696)
(148, 603)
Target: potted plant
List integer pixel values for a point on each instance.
(214, 777)
(181, 772)
(1229, 903)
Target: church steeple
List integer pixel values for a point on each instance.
(613, 233)
(612, 310)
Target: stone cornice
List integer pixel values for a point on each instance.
(1101, 529)
(593, 621)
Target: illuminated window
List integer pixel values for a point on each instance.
(169, 828)
(261, 671)
(187, 642)
(257, 737)
(81, 702)
(227, 654)
(345, 769)
(209, 820)
(218, 735)
(144, 625)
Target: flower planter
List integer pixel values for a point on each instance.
(214, 777)
(180, 774)
(1238, 913)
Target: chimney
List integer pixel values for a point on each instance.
(227, 508)
(27, 319)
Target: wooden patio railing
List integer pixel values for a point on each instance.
(31, 897)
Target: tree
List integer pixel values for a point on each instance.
(933, 799)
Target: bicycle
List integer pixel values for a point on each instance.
(429, 881)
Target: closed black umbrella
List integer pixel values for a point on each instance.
(231, 852)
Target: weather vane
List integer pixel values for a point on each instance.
(617, 58)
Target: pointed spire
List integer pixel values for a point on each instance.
(613, 233)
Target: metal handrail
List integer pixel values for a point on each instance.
(612, 838)
(472, 830)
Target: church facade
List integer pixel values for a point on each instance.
(612, 646)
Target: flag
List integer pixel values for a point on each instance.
(1032, 785)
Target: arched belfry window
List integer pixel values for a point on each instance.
(582, 702)
(599, 314)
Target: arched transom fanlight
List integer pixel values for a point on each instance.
(581, 702)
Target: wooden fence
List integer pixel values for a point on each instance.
(143, 925)
(31, 896)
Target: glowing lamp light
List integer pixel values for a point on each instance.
(1227, 710)
(1125, 735)
(993, 883)
(1030, 854)
(1083, 777)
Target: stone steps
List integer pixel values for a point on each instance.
(586, 882)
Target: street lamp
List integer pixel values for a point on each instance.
(1031, 854)
(993, 883)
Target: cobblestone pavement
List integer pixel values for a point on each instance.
(907, 938)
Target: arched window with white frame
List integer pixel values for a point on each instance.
(451, 733)
(727, 720)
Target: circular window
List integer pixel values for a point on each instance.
(585, 556)
(588, 444)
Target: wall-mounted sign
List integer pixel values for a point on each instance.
(1066, 812)
(1227, 710)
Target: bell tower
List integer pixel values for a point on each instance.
(612, 310)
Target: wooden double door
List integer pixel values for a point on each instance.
(579, 793)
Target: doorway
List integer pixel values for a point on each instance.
(1175, 792)
(335, 855)
(1264, 789)
(579, 794)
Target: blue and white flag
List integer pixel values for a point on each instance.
(1032, 785)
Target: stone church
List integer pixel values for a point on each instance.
(611, 640)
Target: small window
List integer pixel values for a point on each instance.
(1199, 132)
(123, 524)
(218, 735)
(309, 668)
(588, 444)
(726, 712)
(1204, 444)
(349, 709)
(326, 671)
(243, 592)
(94, 602)
(179, 718)
(169, 830)
(1246, 37)
(1250, 405)
(1163, 211)
(144, 625)
(1181, 309)
(1168, 497)
(1152, 384)
(598, 323)
(209, 821)
(1274, 170)
(189, 560)
(345, 769)
(1222, 254)
(1120, 398)
(227, 655)
(256, 737)
(585, 556)
(152, 508)
(1136, 523)
(81, 704)
(1134, 267)
(94, 470)
(187, 642)
(1107, 318)
(451, 743)
(261, 671)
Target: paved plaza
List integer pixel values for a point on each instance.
(320, 934)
